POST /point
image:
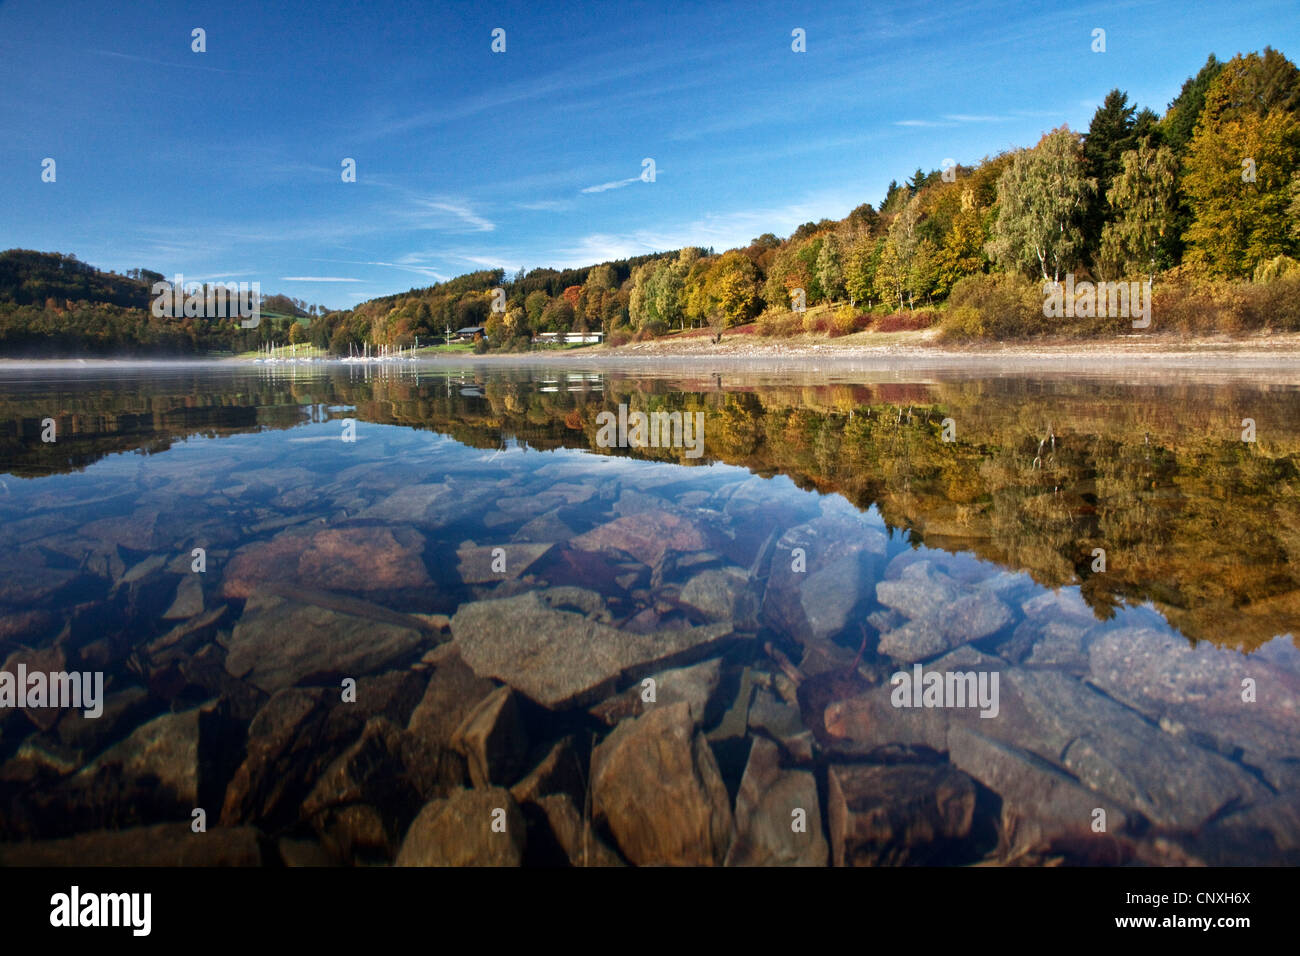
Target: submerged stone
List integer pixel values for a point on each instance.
(778, 815)
(341, 559)
(657, 786)
(561, 659)
(278, 643)
(468, 828)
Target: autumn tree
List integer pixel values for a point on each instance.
(534, 305)
(860, 269)
(1144, 205)
(602, 278)
(1185, 111)
(830, 269)
(923, 270)
(1110, 135)
(1240, 219)
(896, 263)
(1239, 165)
(786, 273)
(891, 272)
(962, 252)
(729, 291)
(1041, 198)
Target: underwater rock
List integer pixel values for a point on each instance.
(656, 784)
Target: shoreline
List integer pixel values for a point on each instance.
(865, 350)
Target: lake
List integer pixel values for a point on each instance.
(694, 614)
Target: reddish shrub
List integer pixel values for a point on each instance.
(906, 321)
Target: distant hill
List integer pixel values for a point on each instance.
(28, 277)
(53, 304)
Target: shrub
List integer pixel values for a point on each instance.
(620, 336)
(1009, 306)
(816, 322)
(1279, 267)
(964, 322)
(779, 324)
(480, 345)
(1281, 301)
(847, 320)
(905, 321)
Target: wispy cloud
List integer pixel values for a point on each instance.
(153, 62)
(483, 262)
(968, 118)
(446, 214)
(316, 279)
(616, 184)
(407, 263)
(954, 119)
(413, 264)
(546, 205)
(720, 230)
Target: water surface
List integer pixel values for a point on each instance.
(499, 587)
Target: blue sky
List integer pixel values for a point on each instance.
(226, 164)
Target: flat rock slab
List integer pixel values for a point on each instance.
(1056, 749)
(493, 740)
(25, 580)
(646, 536)
(279, 642)
(919, 591)
(561, 659)
(1101, 744)
(696, 685)
(410, 503)
(575, 836)
(970, 617)
(1197, 692)
(189, 600)
(724, 594)
(342, 559)
(479, 565)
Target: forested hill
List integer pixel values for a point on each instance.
(52, 304)
(30, 278)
